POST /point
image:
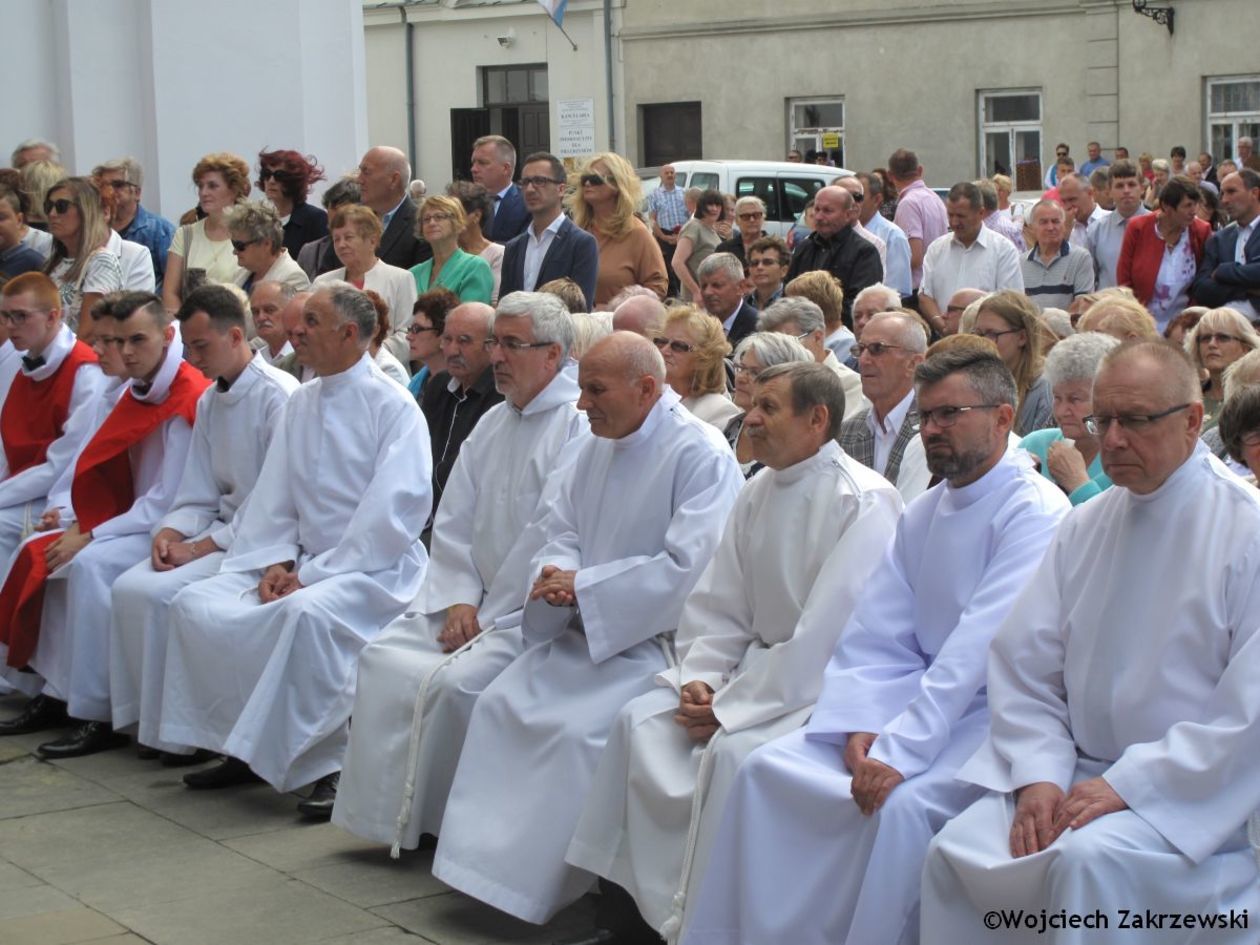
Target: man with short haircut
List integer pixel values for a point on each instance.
(1106, 235)
(856, 796)
(1229, 273)
(456, 399)
(1077, 197)
(32, 150)
(794, 157)
(803, 320)
(464, 626)
(16, 257)
(920, 213)
(267, 302)
(641, 314)
(1055, 272)
(125, 177)
(384, 174)
(1120, 765)
(768, 261)
(969, 256)
(870, 301)
(892, 346)
(1062, 158)
(835, 247)
(290, 318)
(1100, 184)
(997, 220)
(54, 605)
(1096, 160)
(959, 302)
(261, 658)
(236, 419)
(493, 166)
(1121, 153)
(857, 190)
(627, 538)
(667, 214)
(723, 289)
(551, 247)
(752, 641)
(897, 256)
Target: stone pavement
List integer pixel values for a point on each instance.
(110, 849)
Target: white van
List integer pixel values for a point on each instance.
(784, 186)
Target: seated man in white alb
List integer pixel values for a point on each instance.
(825, 830)
(261, 658)
(752, 642)
(627, 539)
(1123, 751)
(402, 751)
(236, 418)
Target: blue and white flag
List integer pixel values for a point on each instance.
(555, 10)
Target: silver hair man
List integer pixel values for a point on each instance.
(548, 317)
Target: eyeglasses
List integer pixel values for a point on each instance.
(463, 341)
(678, 347)
(805, 334)
(875, 348)
(62, 206)
(752, 215)
(765, 261)
(742, 370)
(1219, 337)
(947, 416)
(240, 246)
(15, 316)
(537, 182)
(119, 184)
(593, 180)
(511, 344)
(414, 329)
(1131, 423)
(434, 218)
(995, 335)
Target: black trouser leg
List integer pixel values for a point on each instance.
(615, 911)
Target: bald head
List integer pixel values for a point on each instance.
(291, 315)
(632, 353)
(463, 341)
(904, 330)
(640, 314)
(958, 303)
(384, 174)
(1165, 369)
(833, 207)
(621, 378)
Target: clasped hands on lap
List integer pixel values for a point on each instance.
(279, 580)
(1043, 811)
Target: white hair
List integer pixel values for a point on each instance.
(54, 152)
(805, 314)
(547, 315)
(890, 296)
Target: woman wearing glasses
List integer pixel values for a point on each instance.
(202, 251)
(82, 267)
(1221, 337)
(1009, 320)
(356, 232)
(258, 244)
(424, 334)
(697, 241)
(286, 177)
(605, 205)
(758, 351)
(440, 221)
(694, 345)
(1069, 454)
(750, 215)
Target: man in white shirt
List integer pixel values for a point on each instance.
(1122, 757)
(803, 320)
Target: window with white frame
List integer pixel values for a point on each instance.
(1233, 112)
(1010, 135)
(817, 124)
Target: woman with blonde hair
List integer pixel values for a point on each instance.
(605, 204)
(202, 251)
(1119, 314)
(1222, 336)
(440, 220)
(80, 264)
(1009, 319)
(37, 179)
(694, 347)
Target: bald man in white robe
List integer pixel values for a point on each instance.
(1124, 755)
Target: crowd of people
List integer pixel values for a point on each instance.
(810, 593)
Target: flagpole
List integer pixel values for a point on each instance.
(566, 35)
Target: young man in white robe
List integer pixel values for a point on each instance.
(464, 626)
(1123, 755)
(825, 829)
(261, 658)
(752, 642)
(236, 419)
(627, 539)
(54, 604)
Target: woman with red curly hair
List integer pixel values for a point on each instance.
(202, 250)
(286, 177)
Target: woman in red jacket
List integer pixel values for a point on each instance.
(1161, 251)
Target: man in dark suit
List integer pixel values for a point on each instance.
(551, 246)
(384, 174)
(493, 164)
(723, 288)
(1229, 273)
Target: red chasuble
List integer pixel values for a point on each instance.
(35, 412)
(102, 488)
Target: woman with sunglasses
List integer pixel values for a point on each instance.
(605, 205)
(1221, 337)
(80, 264)
(697, 241)
(286, 177)
(1010, 321)
(202, 251)
(440, 220)
(258, 244)
(694, 347)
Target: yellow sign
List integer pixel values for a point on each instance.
(831, 141)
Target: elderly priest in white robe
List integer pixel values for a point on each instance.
(236, 418)
(261, 659)
(418, 680)
(753, 640)
(628, 537)
(1126, 716)
(825, 830)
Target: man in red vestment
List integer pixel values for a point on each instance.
(54, 604)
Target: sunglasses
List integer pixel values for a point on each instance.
(678, 347)
(754, 215)
(241, 245)
(61, 206)
(594, 180)
(537, 182)
(267, 173)
(1219, 337)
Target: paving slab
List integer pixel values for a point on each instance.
(28, 786)
(456, 919)
(64, 927)
(32, 900)
(370, 878)
(113, 832)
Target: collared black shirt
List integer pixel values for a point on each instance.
(451, 417)
(847, 256)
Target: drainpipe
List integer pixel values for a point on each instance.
(608, 75)
(410, 59)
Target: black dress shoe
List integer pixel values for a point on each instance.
(198, 757)
(42, 712)
(322, 797)
(231, 772)
(87, 739)
(145, 753)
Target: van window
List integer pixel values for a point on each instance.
(762, 187)
(704, 180)
(795, 192)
